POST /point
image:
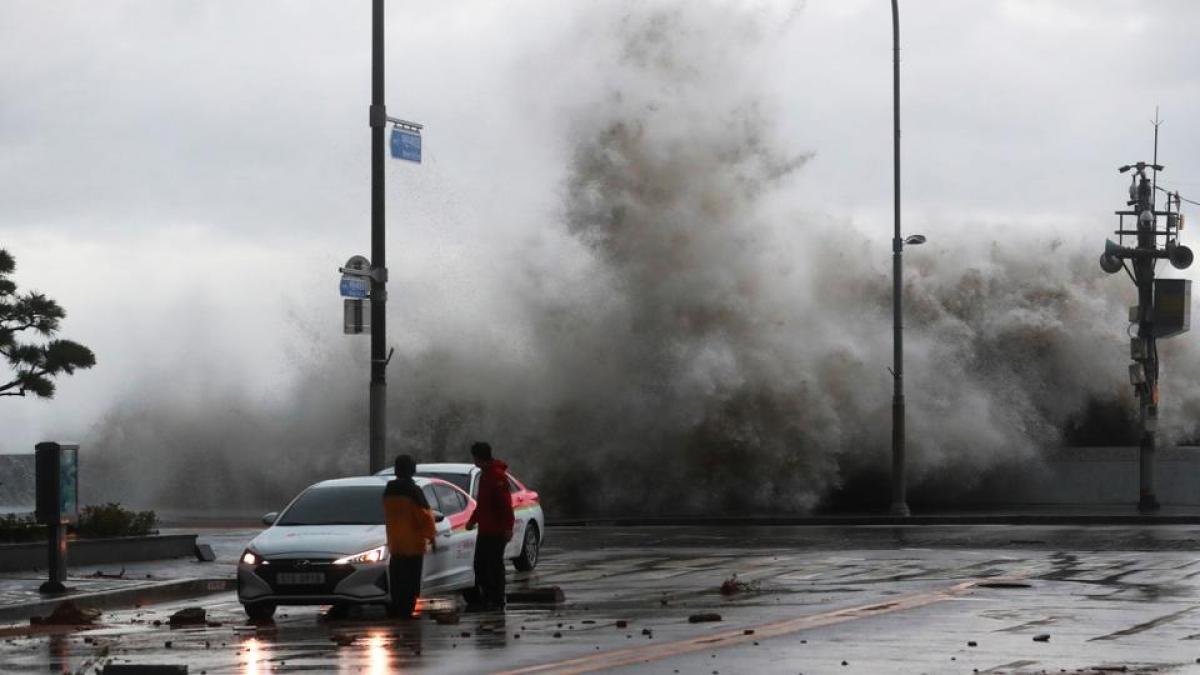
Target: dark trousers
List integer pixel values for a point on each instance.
(489, 568)
(404, 583)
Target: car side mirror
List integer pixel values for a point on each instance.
(269, 519)
(438, 516)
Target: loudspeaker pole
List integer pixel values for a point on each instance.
(1163, 305)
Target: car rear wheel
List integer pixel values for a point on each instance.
(529, 549)
(260, 611)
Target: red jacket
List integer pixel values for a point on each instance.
(493, 505)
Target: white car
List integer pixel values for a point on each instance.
(329, 546)
(529, 530)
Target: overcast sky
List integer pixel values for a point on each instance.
(186, 176)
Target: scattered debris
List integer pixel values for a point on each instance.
(647, 631)
(557, 634)
(545, 594)
(143, 669)
(446, 618)
(621, 623)
(972, 643)
(1041, 637)
(189, 616)
(67, 613)
(748, 631)
(732, 586)
(704, 617)
(100, 574)
(204, 553)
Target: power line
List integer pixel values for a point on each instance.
(1177, 196)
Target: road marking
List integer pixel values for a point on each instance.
(645, 654)
(1145, 626)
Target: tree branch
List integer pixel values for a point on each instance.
(17, 329)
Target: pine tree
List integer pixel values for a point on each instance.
(34, 365)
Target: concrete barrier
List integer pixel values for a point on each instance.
(33, 555)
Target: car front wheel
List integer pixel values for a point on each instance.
(530, 549)
(260, 611)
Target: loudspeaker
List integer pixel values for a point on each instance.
(1110, 263)
(1180, 256)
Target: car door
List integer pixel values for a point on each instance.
(433, 574)
(520, 520)
(461, 542)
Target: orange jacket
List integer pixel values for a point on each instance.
(407, 517)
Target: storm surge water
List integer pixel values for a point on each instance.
(684, 338)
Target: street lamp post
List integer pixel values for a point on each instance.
(899, 496)
(377, 405)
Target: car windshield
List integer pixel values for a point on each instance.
(462, 480)
(342, 505)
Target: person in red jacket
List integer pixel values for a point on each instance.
(494, 517)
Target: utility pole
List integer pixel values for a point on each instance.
(377, 426)
(363, 280)
(899, 489)
(1163, 304)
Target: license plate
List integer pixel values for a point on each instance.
(299, 578)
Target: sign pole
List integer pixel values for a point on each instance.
(56, 468)
(377, 432)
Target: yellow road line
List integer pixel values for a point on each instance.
(663, 650)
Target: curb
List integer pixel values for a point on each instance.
(31, 555)
(886, 521)
(121, 598)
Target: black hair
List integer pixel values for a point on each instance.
(481, 450)
(406, 466)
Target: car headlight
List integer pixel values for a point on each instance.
(372, 556)
(251, 558)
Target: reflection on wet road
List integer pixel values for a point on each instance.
(804, 601)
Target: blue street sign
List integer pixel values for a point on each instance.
(355, 287)
(406, 144)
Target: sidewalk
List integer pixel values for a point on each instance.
(130, 584)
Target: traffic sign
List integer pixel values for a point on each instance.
(406, 144)
(355, 286)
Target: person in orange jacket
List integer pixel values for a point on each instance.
(410, 530)
(494, 516)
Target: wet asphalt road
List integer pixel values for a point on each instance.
(809, 600)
